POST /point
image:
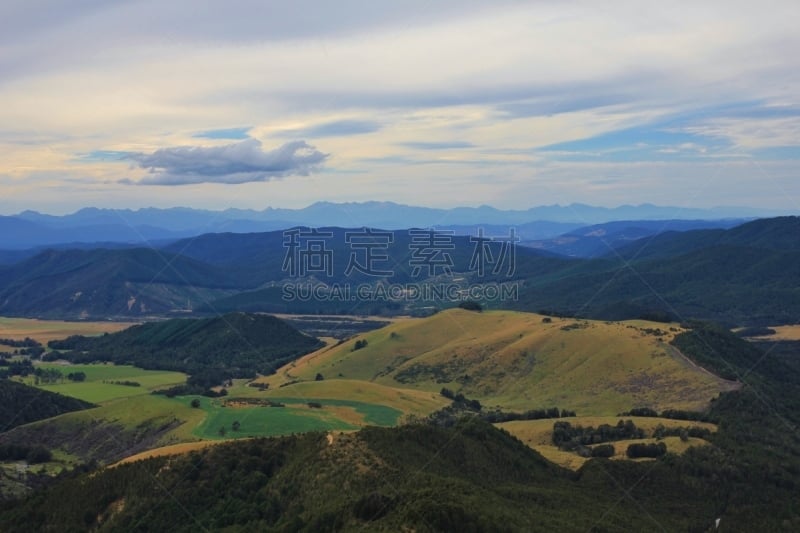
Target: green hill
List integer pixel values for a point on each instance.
(21, 404)
(776, 234)
(232, 345)
(103, 283)
(415, 478)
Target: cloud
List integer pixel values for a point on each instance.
(336, 128)
(236, 163)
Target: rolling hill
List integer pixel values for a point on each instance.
(603, 239)
(409, 478)
(520, 361)
(746, 275)
(21, 404)
(101, 282)
(232, 345)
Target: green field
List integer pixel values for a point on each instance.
(95, 391)
(295, 417)
(261, 421)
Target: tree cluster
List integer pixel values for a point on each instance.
(569, 437)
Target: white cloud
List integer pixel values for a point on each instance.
(503, 78)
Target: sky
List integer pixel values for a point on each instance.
(513, 104)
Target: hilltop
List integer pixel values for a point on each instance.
(521, 360)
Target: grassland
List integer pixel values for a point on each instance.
(522, 360)
(538, 435)
(44, 331)
(510, 360)
(783, 333)
(97, 387)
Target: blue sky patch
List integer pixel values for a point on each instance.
(104, 156)
(237, 134)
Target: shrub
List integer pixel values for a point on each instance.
(646, 450)
(603, 450)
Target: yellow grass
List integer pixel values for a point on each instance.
(516, 361)
(44, 331)
(407, 400)
(174, 449)
(538, 435)
(783, 333)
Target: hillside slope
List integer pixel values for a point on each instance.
(232, 345)
(410, 478)
(520, 360)
(21, 404)
(81, 283)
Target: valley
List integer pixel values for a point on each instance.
(626, 388)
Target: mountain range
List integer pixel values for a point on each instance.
(30, 229)
(743, 275)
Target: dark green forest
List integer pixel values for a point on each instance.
(21, 404)
(236, 345)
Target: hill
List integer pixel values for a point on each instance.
(603, 239)
(468, 477)
(103, 283)
(522, 361)
(218, 348)
(21, 404)
(408, 478)
(774, 234)
(746, 275)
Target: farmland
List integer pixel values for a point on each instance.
(103, 381)
(44, 331)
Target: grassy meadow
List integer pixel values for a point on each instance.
(98, 386)
(518, 360)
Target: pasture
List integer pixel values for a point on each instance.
(44, 331)
(518, 361)
(99, 387)
(294, 417)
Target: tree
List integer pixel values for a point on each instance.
(236, 425)
(222, 431)
(603, 450)
(195, 403)
(319, 377)
(470, 305)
